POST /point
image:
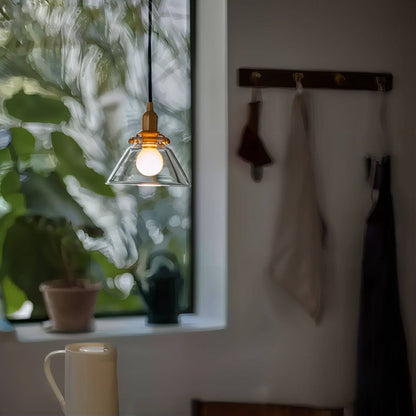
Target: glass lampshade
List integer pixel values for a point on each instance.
(148, 165)
(148, 161)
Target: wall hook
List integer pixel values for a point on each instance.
(255, 92)
(297, 77)
(381, 84)
(339, 78)
(255, 77)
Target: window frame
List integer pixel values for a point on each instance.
(192, 235)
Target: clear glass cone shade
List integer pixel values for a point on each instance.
(126, 172)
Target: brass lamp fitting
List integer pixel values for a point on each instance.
(149, 136)
(149, 120)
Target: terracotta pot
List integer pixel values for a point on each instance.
(70, 307)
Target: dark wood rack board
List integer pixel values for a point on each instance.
(344, 80)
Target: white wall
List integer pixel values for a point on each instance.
(271, 351)
(294, 360)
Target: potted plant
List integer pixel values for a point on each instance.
(46, 254)
(39, 244)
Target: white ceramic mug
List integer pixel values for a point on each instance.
(90, 379)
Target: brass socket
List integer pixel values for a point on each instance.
(149, 136)
(149, 121)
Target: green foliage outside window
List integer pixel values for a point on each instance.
(73, 81)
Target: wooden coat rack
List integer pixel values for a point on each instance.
(344, 80)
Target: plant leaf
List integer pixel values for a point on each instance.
(71, 162)
(6, 162)
(47, 196)
(113, 299)
(10, 184)
(35, 108)
(110, 270)
(23, 142)
(24, 261)
(14, 296)
(18, 204)
(6, 221)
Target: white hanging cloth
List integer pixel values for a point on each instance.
(298, 258)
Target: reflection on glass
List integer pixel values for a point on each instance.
(73, 89)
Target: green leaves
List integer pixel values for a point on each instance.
(10, 184)
(6, 161)
(110, 299)
(47, 196)
(24, 260)
(10, 191)
(110, 270)
(71, 162)
(38, 249)
(34, 108)
(15, 296)
(23, 142)
(6, 221)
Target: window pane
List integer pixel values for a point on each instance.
(73, 88)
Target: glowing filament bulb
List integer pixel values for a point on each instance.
(149, 162)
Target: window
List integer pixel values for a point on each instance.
(73, 83)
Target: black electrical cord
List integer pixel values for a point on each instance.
(149, 55)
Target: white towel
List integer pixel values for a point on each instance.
(297, 263)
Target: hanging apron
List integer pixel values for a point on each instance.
(383, 382)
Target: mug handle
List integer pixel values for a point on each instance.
(51, 380)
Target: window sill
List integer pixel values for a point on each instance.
(113, 328)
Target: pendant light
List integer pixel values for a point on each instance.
(149, 161)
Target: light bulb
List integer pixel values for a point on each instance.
(149, 162)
